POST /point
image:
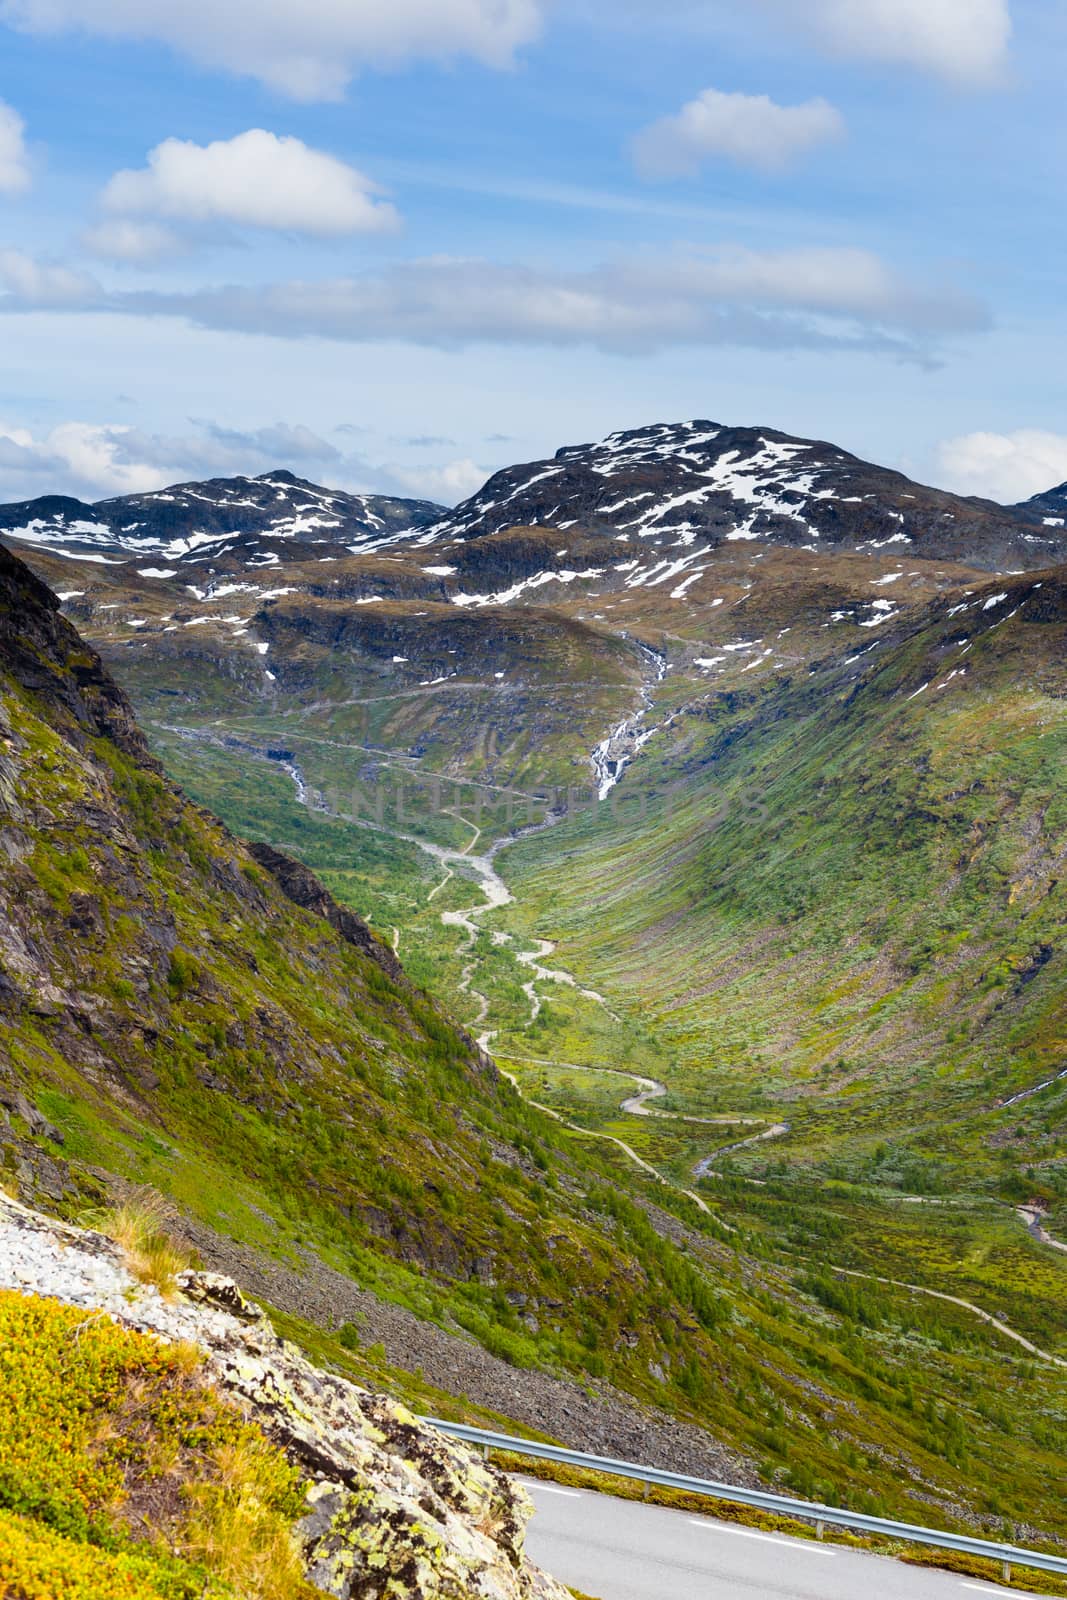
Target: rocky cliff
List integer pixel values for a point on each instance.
(392, 1507)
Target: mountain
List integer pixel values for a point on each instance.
(229, 524)
(676, 486)
(1049, 509)
(182, 1012)
(641, 507)
(541, 611)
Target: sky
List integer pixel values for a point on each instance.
(394, 245)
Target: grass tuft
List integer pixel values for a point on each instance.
(140, 1227)
(235, 1531)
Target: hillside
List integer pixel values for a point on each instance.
(159, 1441)
(782, 1045)
(173, 1016)
(870, 871)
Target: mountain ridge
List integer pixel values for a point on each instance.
(689, 486)
(230, 521)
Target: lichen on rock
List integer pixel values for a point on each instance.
(396, 1511)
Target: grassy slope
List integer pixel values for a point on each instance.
(378, 1143)
(879, 1396)
(183, 1025)
(850, 909)
(850, 916)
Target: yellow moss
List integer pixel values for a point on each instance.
(111, 1446)
(39, 1564)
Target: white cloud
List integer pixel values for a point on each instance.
(785, 299)
(1004, 466)
(256, 180)
(132, 243)
(308, 49)
(97, 460)
(750, 129)
(14, 160)
(448, 484)
(963, 40)
(41, 284)
(280, 443)
(74, 458)
(776, 299)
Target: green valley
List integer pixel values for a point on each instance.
(749, 893)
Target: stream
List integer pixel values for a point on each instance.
(609, 761)
(615, 753)
(496, 894)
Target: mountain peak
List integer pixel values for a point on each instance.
(700, 484)
(283, 475)
(1049, 509)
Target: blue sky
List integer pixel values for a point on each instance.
(398, 243)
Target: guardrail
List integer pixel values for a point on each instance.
(1008, 1555)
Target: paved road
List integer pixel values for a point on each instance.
(618, 1550)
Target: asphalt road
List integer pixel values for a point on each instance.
(618, 1550)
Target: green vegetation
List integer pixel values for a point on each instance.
(829, 911)
(613, 887)
(122, 1472)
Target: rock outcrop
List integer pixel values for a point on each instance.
(44, 655)
(302, 887)
(394, 1508)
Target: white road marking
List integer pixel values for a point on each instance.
(768, 1538)
(985, 1588)
(550, 1488)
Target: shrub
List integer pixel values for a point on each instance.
(184, 974)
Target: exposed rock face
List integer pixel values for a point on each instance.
(394, 1507)
(304, 889)
(44, 654)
